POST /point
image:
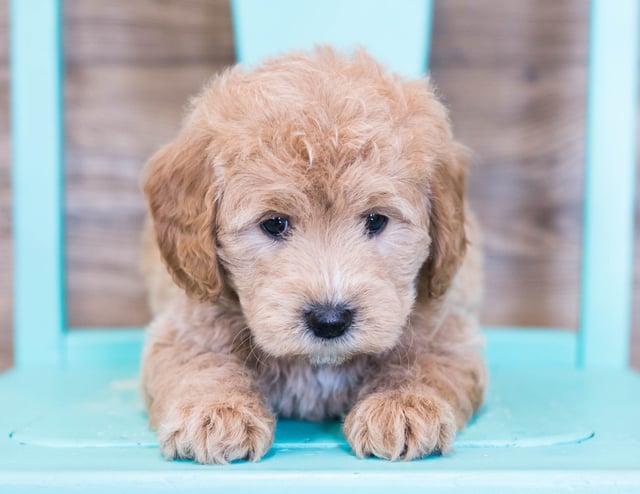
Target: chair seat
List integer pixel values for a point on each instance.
(85, 430)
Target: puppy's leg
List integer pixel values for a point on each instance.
(203, 400)
(415, 401)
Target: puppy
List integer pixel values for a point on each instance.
(323, 264)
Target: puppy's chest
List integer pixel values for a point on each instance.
(302, 391)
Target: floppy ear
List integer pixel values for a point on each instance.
(446, 222)
(178, 185)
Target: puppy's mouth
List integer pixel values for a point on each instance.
(325, 334)
(303, 345)
(334, 351)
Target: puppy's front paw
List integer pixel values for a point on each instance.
(217, 432)
(400, 425)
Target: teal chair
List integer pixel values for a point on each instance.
(562, 412)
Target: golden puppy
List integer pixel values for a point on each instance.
(311, 212)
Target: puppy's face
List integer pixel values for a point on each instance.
(324, 256)
(324, 192)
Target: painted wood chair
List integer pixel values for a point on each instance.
(563, 410)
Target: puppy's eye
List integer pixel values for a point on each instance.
(375, 223)
(275, 227)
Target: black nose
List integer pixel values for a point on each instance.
(328, 320)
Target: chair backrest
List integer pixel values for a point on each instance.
(398, 33)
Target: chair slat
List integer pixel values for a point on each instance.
(607, 265)
(397, 33)
(36, 118)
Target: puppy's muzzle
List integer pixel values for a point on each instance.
(328, 321)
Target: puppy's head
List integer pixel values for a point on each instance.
(326, 193)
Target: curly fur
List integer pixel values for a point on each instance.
(323, 139)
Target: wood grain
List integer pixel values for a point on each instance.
(131, 66)
(513, 74)
(514, 78)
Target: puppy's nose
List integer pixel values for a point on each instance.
(328, 320)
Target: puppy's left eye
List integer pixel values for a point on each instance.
(375, 223)
(275, 227)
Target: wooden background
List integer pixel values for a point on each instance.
(513, 73)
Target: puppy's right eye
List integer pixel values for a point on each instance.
(275, 227)
(375, 223)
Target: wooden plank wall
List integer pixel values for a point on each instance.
(512, 72)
